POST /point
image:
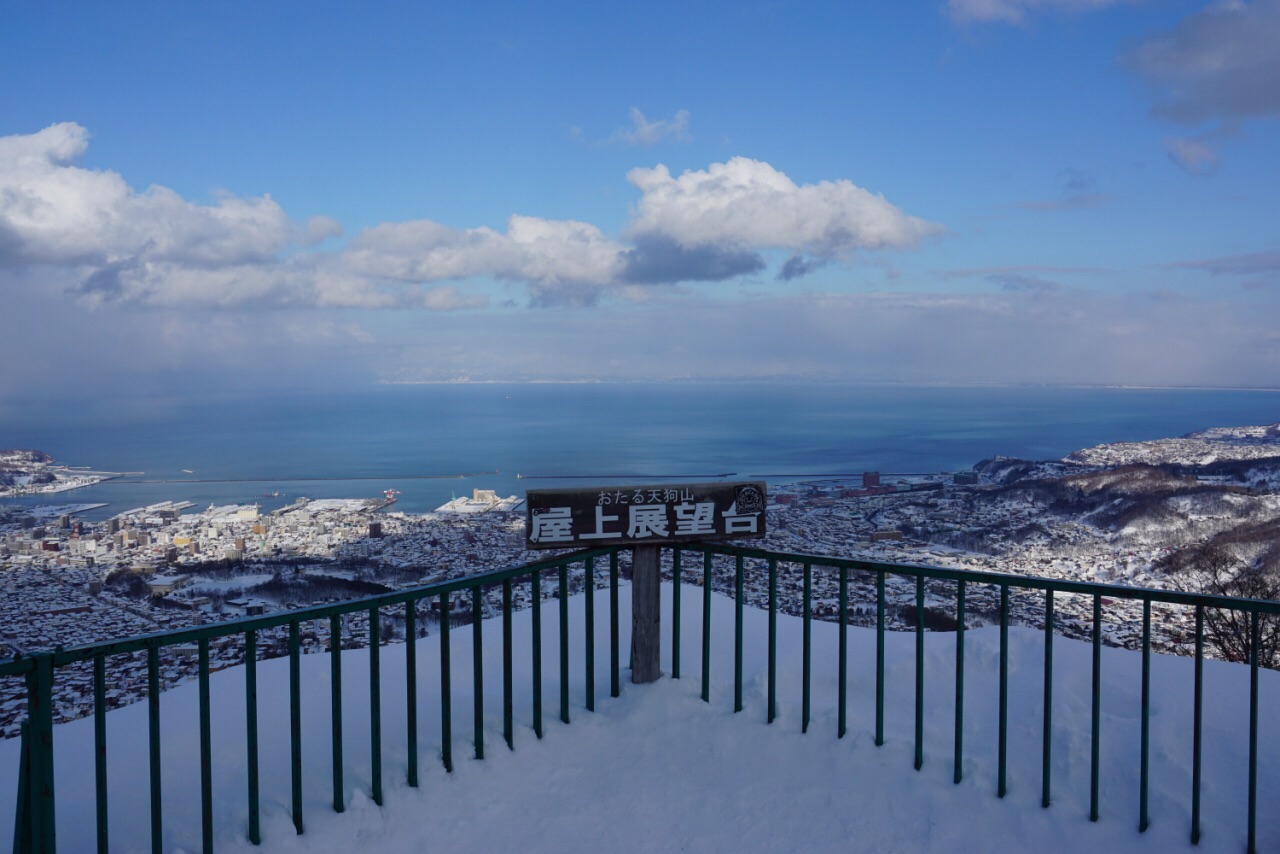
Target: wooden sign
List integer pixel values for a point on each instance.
(643, 515)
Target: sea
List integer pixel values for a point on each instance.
(434, 442)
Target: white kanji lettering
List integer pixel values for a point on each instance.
(553, 525)
(600, 533)
(648, 520)
(655, 496)
(740, 523)
(695, 518)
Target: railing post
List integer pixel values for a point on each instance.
(1002, 737)
(589, 632)
(375, 705)
(40, 791)
(675, 612)
(251, 732)
(958, 770)
(737, 635)
(1047, 751)
(508, 719)
(773, 639)
(335, 708)
(806, 654)
(100, 746)
(646, 615)
(411, 688)
(153, 734)
(23, 809)
(206, 749)
(615, 687)
(295, 725)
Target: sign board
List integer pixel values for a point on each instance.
(643, 515)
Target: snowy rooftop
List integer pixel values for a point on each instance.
(659, 770)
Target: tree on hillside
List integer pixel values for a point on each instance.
(1214, 569)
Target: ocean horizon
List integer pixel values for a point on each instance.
(432, 441)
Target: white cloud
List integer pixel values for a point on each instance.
(1016, 11)
(1219, 63)
(748, 203)
(52, 211)
(646, 132)
(531, 250)
(154, 248)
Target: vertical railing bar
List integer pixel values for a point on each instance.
(773, 639)
(958, 773)
(206, 748)
(41, 830)
(100, 747)
(706, 627)
(806, 646)
(535, 592)
(1197, 729)
(508, 716)
(615, 645)
(375, 704)
(1045, 771)
(676, 573)
(295, 724)
(25, 809)
(411, 689)
(1003, 725)
(737, 635)
(153, 720)
(564, 642)
(335, 713)
(1144, 771)
(477, 670)
(589, 628)
(251, 730)
(1095, 731)
(446, 687)
(843, 664)
(919, 734)
(879, 658)
(1255, 637)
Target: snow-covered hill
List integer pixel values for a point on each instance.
(1215, 444)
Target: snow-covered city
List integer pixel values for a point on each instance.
(1136, 514)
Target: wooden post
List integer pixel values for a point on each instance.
(646, 615)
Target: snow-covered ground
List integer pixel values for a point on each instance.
(659, 770)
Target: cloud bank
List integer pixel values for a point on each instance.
(152, 247)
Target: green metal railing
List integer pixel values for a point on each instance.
(722, 566)
(34, 819)
(963, 580)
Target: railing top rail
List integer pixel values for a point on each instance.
(85, 652)
(1089, 588)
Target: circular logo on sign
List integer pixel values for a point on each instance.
(750, 500)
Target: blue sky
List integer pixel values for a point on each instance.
(1076, 191)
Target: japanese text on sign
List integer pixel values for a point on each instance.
(634, 515)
